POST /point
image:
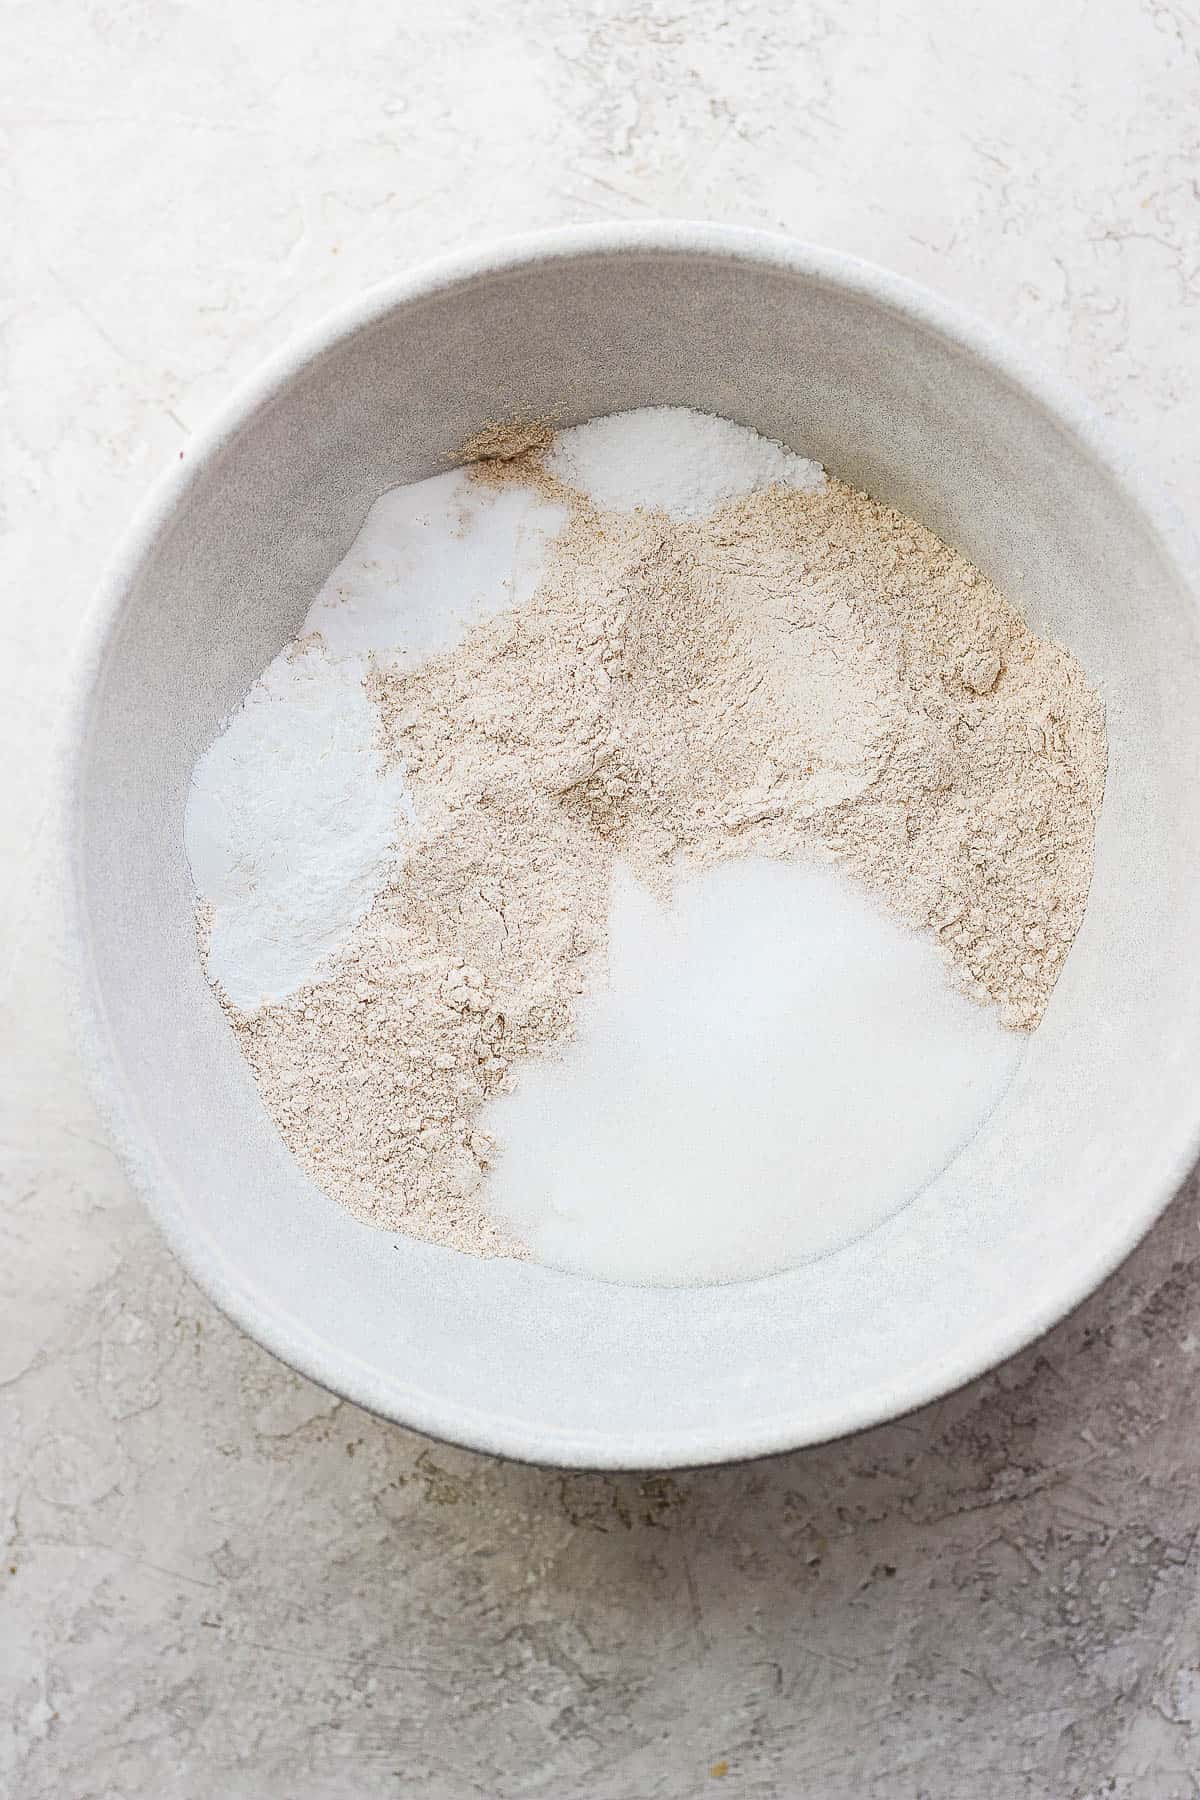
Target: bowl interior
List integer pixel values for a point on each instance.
(874, 381)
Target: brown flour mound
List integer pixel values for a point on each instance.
(803, 674)
(508, 440)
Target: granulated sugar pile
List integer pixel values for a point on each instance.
(651, 646)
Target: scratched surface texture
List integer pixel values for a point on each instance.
(220, 1584)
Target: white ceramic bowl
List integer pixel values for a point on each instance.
(893, 390)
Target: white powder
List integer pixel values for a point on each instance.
(430, 561)
(685, 463)
(774, 1067)
(290, 825)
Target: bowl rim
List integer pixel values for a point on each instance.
(269, 1324)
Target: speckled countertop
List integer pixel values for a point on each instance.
(221, 1584)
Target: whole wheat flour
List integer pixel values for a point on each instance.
(804, 673)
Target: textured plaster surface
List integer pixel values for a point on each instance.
(219, 1581)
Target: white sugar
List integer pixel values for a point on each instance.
(681, 462)
(775, 1067)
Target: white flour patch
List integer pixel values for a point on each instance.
(291, 825)
(430, 561)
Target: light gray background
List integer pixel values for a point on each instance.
(217, 1580)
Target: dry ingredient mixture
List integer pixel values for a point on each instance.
(800, 673)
